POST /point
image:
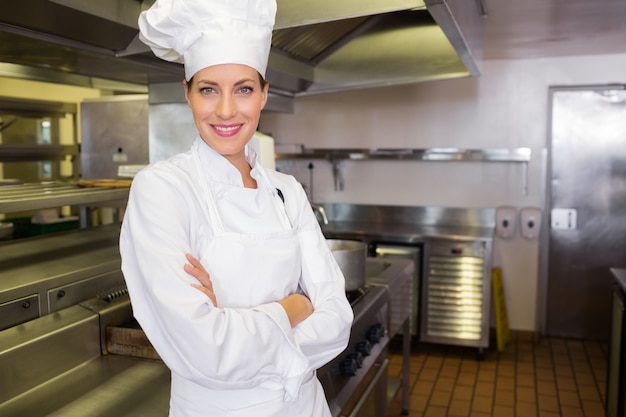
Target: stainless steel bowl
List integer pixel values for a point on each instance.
(350, 256)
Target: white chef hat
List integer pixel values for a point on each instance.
(201, 33)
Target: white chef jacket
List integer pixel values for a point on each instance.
(241, 357)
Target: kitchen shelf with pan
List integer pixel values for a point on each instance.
(336, 156)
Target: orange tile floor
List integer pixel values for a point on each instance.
(532, 377)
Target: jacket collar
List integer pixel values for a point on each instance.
(219, 169)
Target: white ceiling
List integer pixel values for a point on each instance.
(518, 29)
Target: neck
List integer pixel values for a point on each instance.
(241, 163)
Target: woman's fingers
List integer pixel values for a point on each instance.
(209, 293)
(196, 263)
(195, 269)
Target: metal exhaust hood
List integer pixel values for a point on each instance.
(319, 46)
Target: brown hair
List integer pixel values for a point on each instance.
(262, 80)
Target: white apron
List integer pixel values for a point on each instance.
(249, 270)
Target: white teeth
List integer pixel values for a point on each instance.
(226, 129)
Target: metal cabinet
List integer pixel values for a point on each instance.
(456, 293)
(45, 274)
(19, 311)
(100, 285)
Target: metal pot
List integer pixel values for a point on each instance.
(350, 256)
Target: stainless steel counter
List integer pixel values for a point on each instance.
(456, 245)
(57, 366)
(38, 196)
(44, 274)
(106, 386)
(407, 225)
(383, 231)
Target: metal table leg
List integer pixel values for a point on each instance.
(406, 366)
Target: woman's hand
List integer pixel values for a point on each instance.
(298, 308)
(195, 269)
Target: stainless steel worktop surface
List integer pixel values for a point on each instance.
(107, 386)
(404, 233)
(406, 224)
(55, 366)
(44, 274)
(57, 259)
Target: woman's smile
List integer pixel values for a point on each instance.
(227, 130)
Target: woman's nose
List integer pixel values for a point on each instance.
(226, 107)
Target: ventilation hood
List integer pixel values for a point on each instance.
(318, 46)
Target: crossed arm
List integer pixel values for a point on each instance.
(297, 306)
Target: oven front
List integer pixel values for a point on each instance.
(370, 397)
(355, 382)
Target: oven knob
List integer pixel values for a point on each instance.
(364, 347)
(358, 358)
(375, 333)
(349, 366)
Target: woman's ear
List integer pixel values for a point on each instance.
(186, 90)
(265, 94)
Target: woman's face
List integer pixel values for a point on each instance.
(226, 102)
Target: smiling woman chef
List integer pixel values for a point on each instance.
(244, 336)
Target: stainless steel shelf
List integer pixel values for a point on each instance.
(338, 155)
(37, 196)
(429, 154)
(26, 153)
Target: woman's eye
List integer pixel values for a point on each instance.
(206, 90)
(246, 90)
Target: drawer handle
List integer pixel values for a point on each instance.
(26, 304)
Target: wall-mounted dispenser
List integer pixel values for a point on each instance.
(506, 219)
(530, 222)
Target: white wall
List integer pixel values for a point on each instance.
(507, 107)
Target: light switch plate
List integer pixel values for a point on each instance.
(563, 219)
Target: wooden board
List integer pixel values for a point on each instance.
(130, 342)
(106, 183)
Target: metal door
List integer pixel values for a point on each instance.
(587, 206)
